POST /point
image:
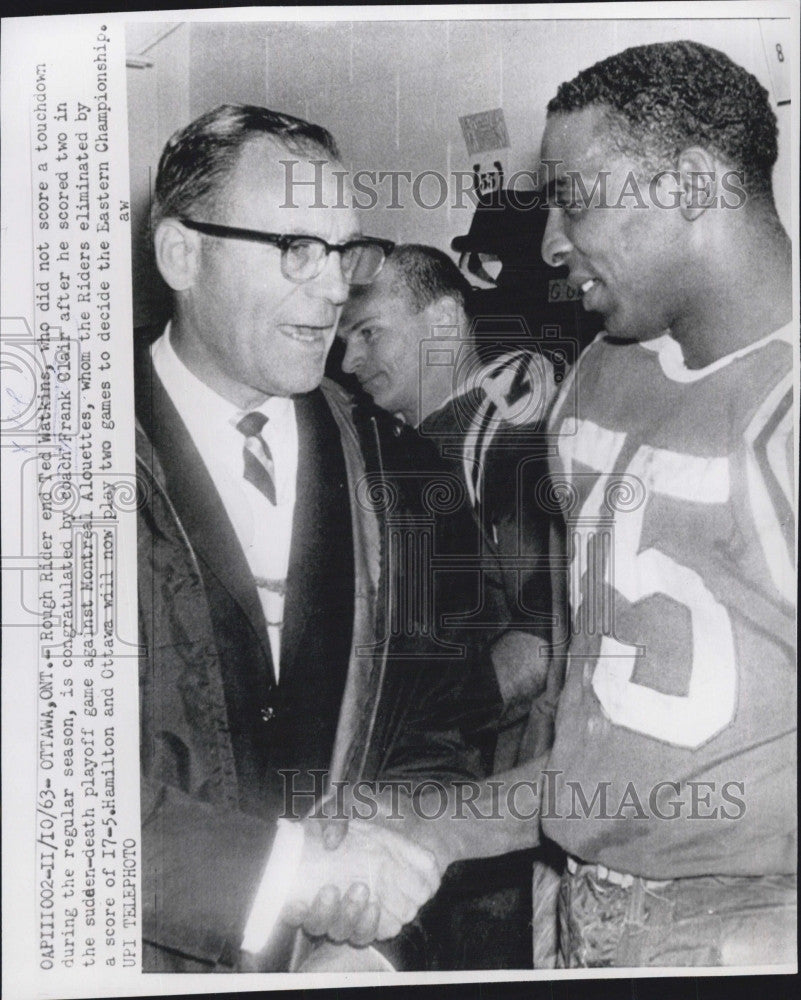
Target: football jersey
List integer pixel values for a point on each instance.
(492, 431)
(500, 408)
(675, 748)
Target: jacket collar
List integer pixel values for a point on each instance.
(194, 497)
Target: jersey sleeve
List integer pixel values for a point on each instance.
(770, 475)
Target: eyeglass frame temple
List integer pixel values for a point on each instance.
(282, 240)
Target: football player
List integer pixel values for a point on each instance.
(671, 782)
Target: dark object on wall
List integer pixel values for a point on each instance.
(522, 299)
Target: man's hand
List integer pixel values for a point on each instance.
(354, 918)
(520, 660)
(366, 889)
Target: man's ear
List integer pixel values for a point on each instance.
(445, 312)
(177, 254)
(700, 181)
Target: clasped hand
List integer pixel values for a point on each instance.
(363, 889)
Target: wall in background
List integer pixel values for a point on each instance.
(158, 104)
(392, 94)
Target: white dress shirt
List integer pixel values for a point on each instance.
(264, 530)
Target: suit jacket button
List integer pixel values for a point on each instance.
(267, 714)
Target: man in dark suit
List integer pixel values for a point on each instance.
(262, 588)
(485, 422)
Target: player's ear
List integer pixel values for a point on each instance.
(177, 254)
(699, 181)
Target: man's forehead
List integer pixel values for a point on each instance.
(576, 140)
(264, 155)
(291, 185)
(362, 305)
(367, 303)
(257, 163)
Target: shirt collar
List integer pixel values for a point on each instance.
(671, 356)
(208, 411)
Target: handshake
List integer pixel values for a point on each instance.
(359, 881)
(355, 881)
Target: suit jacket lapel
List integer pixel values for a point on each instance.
(307, 529)
(196, 500)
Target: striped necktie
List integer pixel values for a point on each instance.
(259, 467)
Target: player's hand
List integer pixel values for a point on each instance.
(366, 889)
(332, 831)
(354, 918)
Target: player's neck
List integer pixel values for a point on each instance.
(749, 295)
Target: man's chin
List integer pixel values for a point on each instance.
(376, 398)
(307, 386)
(298, 386)
(621, 327)
(620, 330)
(626, 335)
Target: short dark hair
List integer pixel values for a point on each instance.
(664, 97)
(424, 274)
(198, 158)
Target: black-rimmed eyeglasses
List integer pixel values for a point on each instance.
(304, 257)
